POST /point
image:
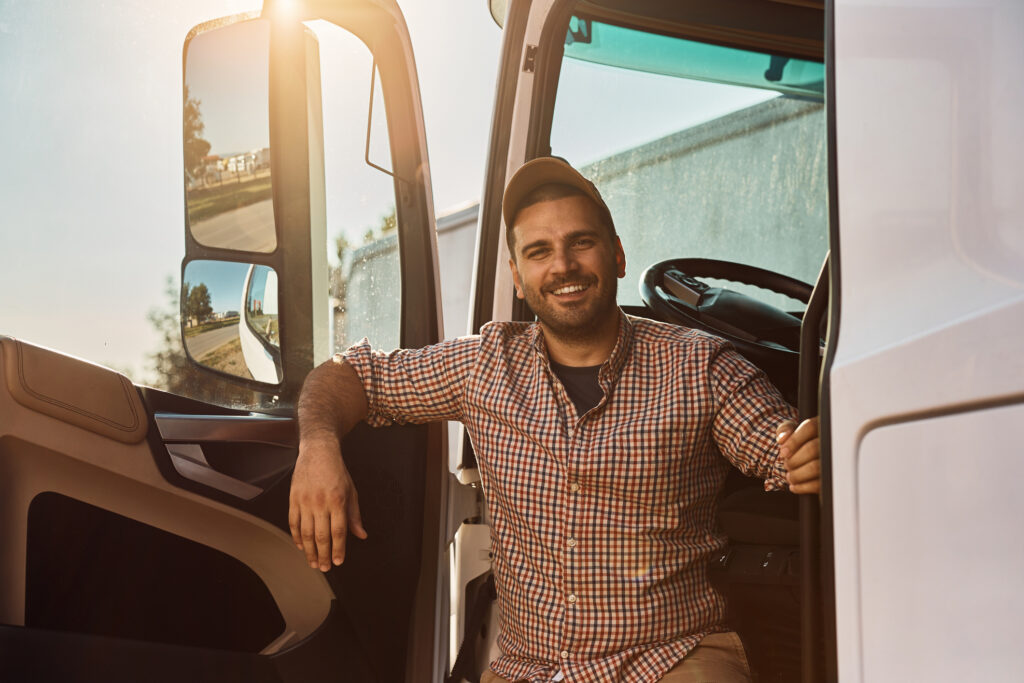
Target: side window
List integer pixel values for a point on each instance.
(699, 150)
(361, 227)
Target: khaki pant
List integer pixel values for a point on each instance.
(718, 659)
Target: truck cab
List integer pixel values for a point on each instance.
(827, 184)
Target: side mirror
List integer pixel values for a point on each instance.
(254, 199)
(228, 188)
(229, 319)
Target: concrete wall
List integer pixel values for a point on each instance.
(747, 187)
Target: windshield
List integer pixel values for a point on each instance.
(699, 150)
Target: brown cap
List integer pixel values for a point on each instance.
(545, 171)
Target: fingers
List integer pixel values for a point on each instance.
(805, 479)
(293, 523)
(339, 531)
(322, 513)
(800, 449)
(784, 431)
(355, 524)
(308, 539)
(322, 536)
(798, 452)
(791, 437)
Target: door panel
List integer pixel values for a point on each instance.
(103, 538)
(40, 454)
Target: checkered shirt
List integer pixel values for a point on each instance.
(602, 525)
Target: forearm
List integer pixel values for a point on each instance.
(331, 402)
(323, 505)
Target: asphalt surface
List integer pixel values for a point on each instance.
(250, 228)
(204, 342)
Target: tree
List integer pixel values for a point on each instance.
(197, 302)
(196, 148)
(169, 365)
(341, 245)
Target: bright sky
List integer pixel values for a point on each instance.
(91, 179)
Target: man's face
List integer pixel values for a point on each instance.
(565, 265)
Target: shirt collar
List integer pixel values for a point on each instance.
(612, 367)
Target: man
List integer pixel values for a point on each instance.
(599, 439)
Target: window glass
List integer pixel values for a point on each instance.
(362, 222)
(697, 150)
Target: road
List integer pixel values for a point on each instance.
(250, 228)
(204, 342)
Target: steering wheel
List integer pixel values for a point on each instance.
(767, 336)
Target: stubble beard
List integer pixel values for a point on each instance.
(577, 324)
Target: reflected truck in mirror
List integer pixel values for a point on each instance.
(258, 330)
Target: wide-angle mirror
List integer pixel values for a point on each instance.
(229, 319)
(228, 190)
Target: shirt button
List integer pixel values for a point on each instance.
(574, 487)
(571, 543)
(572, 598)
(564, 654)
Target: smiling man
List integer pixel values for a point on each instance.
(602, 440)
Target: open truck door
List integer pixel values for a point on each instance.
(144, 532)
(703, 125)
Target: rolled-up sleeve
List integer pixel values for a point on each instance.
(414, 385)
(749, 408)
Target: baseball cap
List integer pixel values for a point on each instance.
(545, 171)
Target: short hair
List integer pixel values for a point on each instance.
(550, 192)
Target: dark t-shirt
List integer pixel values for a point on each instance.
(581, 384)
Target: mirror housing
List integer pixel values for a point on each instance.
(254, 197)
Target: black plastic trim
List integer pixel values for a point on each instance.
(827, 543)
(761, 20)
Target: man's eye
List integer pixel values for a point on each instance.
(584, 242)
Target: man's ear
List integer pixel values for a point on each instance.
(620, 258)
(515, 278)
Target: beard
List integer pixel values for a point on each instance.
(578, 321)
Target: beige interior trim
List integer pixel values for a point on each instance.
(74, 391)
(55, 451)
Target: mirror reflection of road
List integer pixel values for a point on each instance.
(249, 228)
(205, 342)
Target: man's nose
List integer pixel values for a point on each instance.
(564, 260)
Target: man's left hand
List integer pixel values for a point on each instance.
(800, 448)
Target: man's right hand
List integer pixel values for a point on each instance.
(323, 505)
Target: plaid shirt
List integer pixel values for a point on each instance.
(601, 524)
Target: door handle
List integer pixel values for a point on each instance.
(184, 434)
(269, 429)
